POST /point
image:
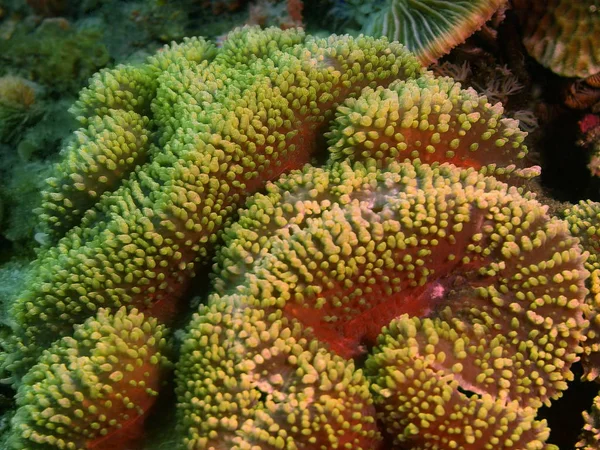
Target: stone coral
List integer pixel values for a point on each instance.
(429, 28)
(562, 35)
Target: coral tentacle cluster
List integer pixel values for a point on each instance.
(225, 127)
(91, 390)
(332, 255)
(432, 119)
(584, 223)
(408, 294)
(115, 136)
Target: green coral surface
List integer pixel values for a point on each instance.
(225, 125)
(330, 256)
(445, 279)
(87, 387)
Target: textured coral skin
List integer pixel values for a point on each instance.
(93, 390)
(584, 223)
(344, 252)
(225, 127)
(589, 438)
(268, 362)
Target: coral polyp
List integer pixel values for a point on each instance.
(226, 127)
(426, 358)
(252, 378)
(91, 390)
(330, 256)
(432, 119)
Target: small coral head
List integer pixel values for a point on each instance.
(434, 120)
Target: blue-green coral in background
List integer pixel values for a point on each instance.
(18, 108)
(55, 53)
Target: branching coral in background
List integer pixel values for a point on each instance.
(458, 72)
(528, 120)
(498, 89)
(497, 83)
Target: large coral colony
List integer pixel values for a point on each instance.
(410, 292)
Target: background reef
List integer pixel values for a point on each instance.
(50, 51)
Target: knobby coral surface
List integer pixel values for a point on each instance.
(329, 257)
(224, 127)
(91, 390)
(477, 288)
(590, 436)
(584, 223)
